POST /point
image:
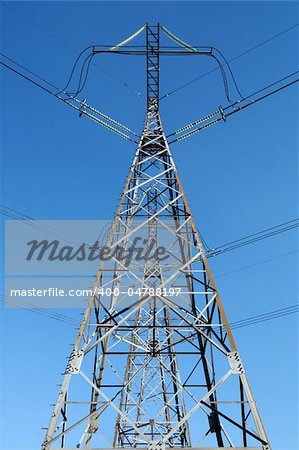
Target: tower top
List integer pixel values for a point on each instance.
(152, 64)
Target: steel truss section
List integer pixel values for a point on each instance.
(158, 367)
(152, 63)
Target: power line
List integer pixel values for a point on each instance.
(223, 113)
(88, 57)
(30, 71)
(30, 221)
(112, 124)
(69, 48)
(265, 317)
(230, 60)
(266, 95)
(264, 88)
(227, 247)
(240, 269)
(82, 107)
(251, 238)
(27, 78)
(210, 252)
(40, 311)
(220, 112)
(253, 320)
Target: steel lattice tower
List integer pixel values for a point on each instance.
(154, 369)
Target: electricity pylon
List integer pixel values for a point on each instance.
(155, 364)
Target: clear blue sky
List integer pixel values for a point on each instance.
(240, 177)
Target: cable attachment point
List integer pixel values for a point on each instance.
(155, 445)
(235, 363)
(83, 107)
(74, 363)
(223, 117)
